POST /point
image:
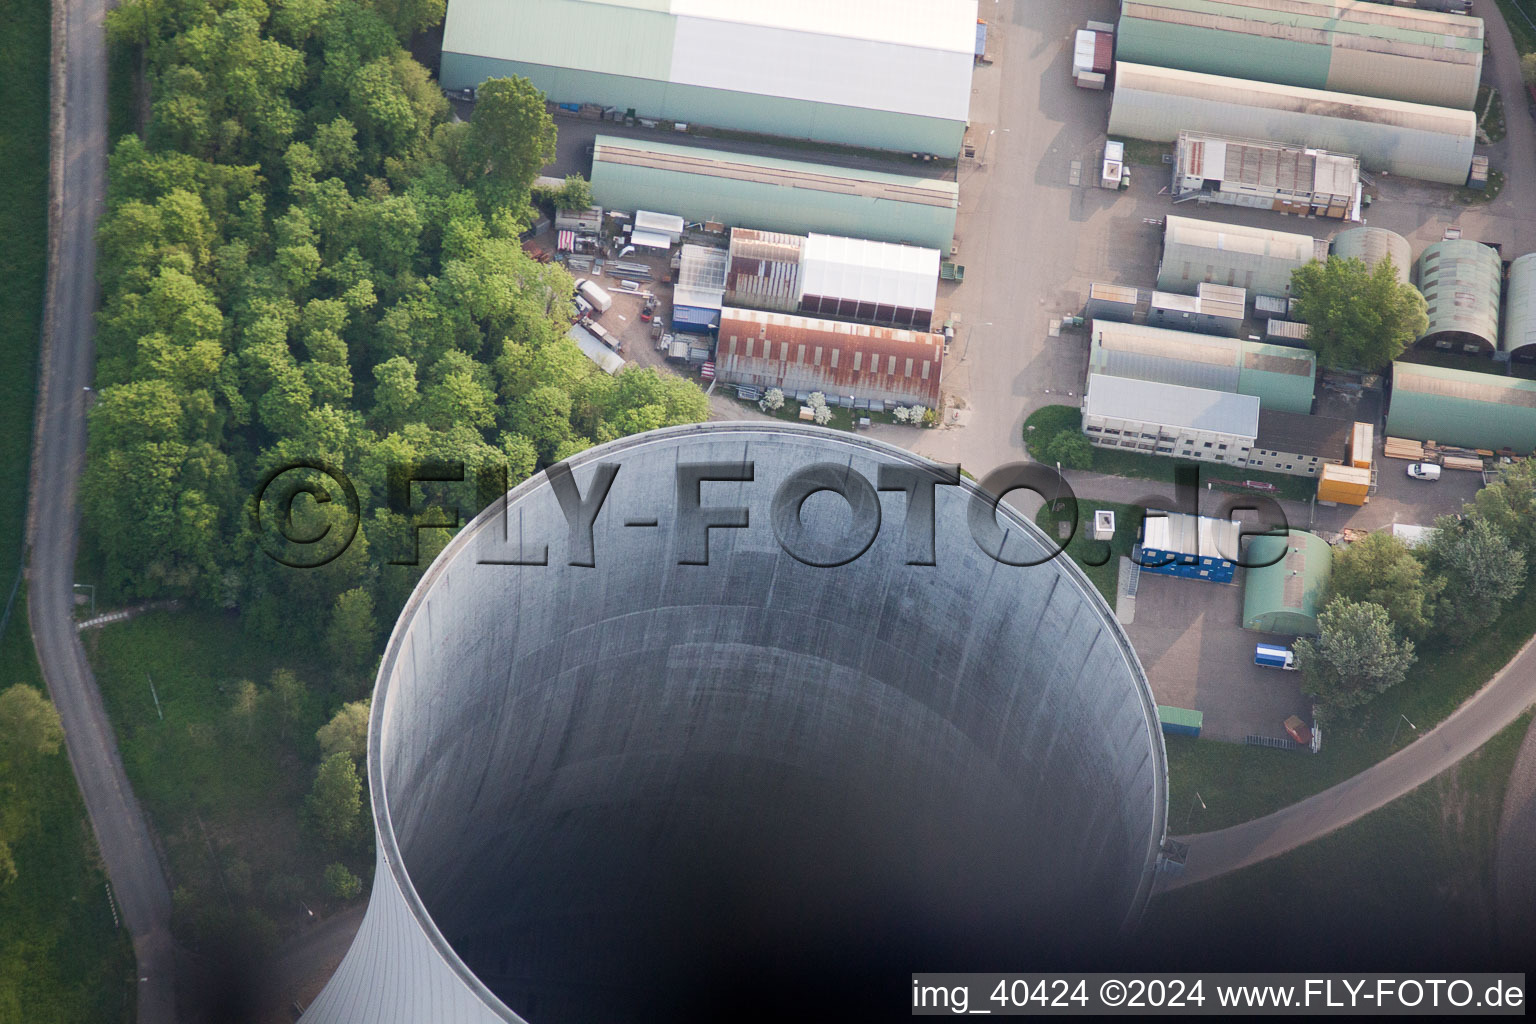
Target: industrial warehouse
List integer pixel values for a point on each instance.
(896, 75)
(1341, 46)
(1413, 140)
(1258, 260)
(801, 354)
(773, 194)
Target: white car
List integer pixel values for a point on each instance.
(1424, 471)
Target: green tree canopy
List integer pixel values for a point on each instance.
(1482, 570)
(1381, 569)
(1509, 506)
(1360, 318)
(1356, 654)
(511, 137)
(347, 731)
(335, 804)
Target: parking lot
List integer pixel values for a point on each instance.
(1189, 637)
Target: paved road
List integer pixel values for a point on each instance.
(68, 358)
(1497, 704)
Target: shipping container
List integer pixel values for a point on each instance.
(1180, 721)
(1286, 331)
(1103, 52)
(1347, 485)
(1271, 306)
(589, 220)
(1362, 445)
(1270, 656)
(1111, 302)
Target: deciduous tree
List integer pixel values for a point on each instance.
(1381, 569)
(1356, 655)
(1359, 317)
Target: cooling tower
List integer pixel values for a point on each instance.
(755, 760)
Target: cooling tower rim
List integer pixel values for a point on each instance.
(384, 833)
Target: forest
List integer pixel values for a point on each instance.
(305, 257)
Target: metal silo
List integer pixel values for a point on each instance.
(753, 758)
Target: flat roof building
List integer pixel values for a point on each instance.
(1285, 597)
(1281, 377)
(1411, 140)
(888, 74)
(1461, 280)
(1371, 245)
(1519, 341)
(771, 194)
(1266, 176)
(1259, 260)
(1461, 407)
(797, 353)
(1368, 49)
(1298, 445)
(1168, 419)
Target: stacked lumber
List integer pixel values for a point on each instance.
(1402, 448)
(1460, 462)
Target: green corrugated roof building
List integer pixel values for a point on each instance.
(1281, 377)
(1365, 49)
(742, 190)
(1462, 407)
(1285, 597)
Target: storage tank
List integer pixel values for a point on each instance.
(764, 739)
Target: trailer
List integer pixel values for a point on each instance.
(1270, 656)
(1180, 721)
(594, 293)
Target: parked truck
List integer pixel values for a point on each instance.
(1270, 656)
(603, 335)
(600, 299)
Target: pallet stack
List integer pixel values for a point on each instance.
(1402, 448)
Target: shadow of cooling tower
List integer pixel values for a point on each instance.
(754, 788)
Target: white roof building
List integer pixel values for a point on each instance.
(892, 74)
(858, 279)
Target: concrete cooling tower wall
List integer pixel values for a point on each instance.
(768, 786)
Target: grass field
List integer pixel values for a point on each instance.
(1102, 567)
(1520, 15)
(1239, 783)
(1408, 887)
(224, 795)
(62, 959)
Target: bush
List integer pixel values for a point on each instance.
(1071, 449)
(772, 400)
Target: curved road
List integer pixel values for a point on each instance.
(78, 189)
(1500, 702)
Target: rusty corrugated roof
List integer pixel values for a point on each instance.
(830, 356)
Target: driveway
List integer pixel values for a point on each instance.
(1189, 637)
